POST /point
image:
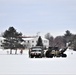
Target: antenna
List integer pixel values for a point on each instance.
(38, 34)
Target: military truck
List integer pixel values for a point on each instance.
(55, 52)
(37, 52)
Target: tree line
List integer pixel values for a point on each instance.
(61, 41)
(13, 40)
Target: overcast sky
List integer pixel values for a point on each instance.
(32, 16)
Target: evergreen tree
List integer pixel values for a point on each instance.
(73, 43)
(68, 36)
(39, 42)
(12, 40)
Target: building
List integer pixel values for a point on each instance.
(1, 41)
(31, 42)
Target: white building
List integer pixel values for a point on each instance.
(1, 41)
(31, 42)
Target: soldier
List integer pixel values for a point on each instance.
(21, 52)
(7, 52)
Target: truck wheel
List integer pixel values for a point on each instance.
(47, 54)
(31, 56)
(51, 55)
(64, 55)
(40, 57)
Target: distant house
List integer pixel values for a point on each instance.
(31, 42)
(1, 41)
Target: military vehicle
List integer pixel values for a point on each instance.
(36, 52)
(55, 52)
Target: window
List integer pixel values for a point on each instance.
(28, 41)
(32, 41)
(45, 41)
(1, 41)
(32, 45)
(24, 41)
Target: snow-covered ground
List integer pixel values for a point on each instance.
(22, 64)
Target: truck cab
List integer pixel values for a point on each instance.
(36, 52)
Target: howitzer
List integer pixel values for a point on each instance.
(56, 52)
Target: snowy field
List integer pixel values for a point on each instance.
(22, 64)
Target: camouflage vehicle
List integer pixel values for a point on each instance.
(55, 52)
(36, 52)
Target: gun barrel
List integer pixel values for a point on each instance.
(63, 50)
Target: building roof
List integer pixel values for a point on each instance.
(28, 38)
(34, 38)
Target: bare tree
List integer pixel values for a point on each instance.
(59, 41)
(50, 38)
(47, 36)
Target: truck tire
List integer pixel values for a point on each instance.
(51, 55)
(64, 55)
(48, 55)
(31, 56)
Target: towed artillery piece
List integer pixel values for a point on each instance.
(55, 52)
